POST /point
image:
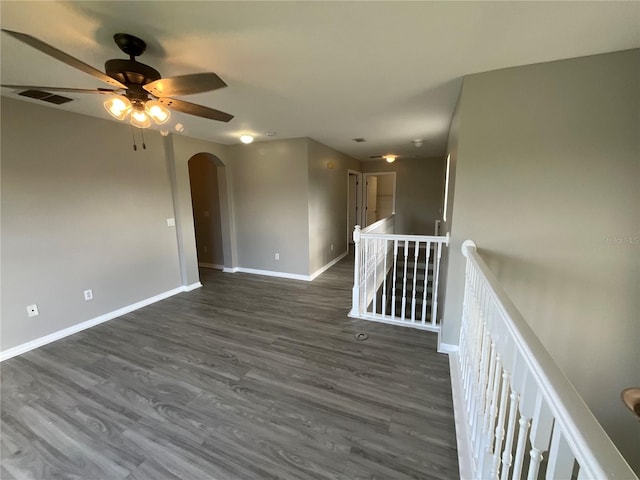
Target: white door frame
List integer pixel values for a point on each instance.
(378, 174)
(359, 208)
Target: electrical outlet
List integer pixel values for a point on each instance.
(171, 222)
(32, 310)
(277, 256)
(88, 295)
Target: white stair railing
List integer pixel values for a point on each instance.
(396, 276)
(523, 419)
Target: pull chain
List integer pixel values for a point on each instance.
(133, 136)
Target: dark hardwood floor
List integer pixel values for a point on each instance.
(248, 377)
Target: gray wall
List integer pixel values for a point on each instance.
(179, 150)
(270, 185)
(547, 184)
(80, 210)
(328, 184)
(203, 175)
(419, 192)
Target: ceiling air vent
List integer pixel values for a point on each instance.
(45, 96)
(359, 140)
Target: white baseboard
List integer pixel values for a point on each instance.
(321, 270)
(269, 273)
(292, 276)
(213, 266)
(447, 348)
(463, 437)
(78, 327)
(193, 286)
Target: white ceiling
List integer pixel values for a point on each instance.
(386, 71)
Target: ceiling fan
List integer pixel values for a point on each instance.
(138, 88)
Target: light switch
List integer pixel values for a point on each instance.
(171, 222)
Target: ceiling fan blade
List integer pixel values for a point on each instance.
(193, 109)
(104, 91)
(185, 85)
(64, 57)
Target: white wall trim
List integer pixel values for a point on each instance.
(463, 437)
(292, 276)
(321, 270)
(270, 273)
(447, 348)
(78, 327)
(214, 266)
(193, 286)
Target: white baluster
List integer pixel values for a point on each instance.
(384, 281)
(489, 411)
(426, 283)
(415, 277)
(355, 298)
(481, 387)
(436, 280)
(393, 287)
(561, 458)
(404, 280)
(507, 457)
(374, 306)
(523, 423)
(499, 432)
(527, 405)
(541, 424)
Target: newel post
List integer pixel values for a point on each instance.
(467, 246)
(355, 302)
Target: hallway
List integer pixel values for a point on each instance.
(249, 377)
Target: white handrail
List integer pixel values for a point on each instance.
(384, 225)
(396, 276)
(500, 356)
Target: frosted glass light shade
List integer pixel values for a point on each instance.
(158, 112)
(140, 119)
(118, 107)
(390, 158)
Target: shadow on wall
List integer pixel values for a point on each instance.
(549, 295)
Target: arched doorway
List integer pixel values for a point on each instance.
(211, 216)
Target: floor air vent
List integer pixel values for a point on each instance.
(45, 96)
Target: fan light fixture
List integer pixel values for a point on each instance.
(158, 112)
(118, 107)
(141, 113)
(246, 139)
(390, 158)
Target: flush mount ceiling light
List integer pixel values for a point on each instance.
(246, 139)
(390, 158)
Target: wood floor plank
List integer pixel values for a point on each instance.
(248, 377)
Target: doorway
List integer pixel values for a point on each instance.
(380, 196)
(207, 178)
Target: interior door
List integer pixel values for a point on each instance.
(371, 196)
